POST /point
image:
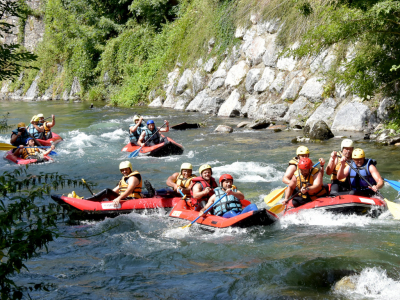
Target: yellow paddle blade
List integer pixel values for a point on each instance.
(274, 197)
(394, 209)
(186, 226)
(277, 208)
(6, 147)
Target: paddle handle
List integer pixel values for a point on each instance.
(88, 187)
(209, 208)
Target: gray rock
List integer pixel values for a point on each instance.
(223, 129)
(65, 95)
(353, 116)
(328, 62)
(211, 105)
(292, 90)
(184, 82)
(197, 102)
(236, 74)
(318, 130)
(256, 51)
(170, 102)
(199, 82)
(278, 84)
(75, 89)
(385, 108)
(254, 18)
(242, 124)
(286, 63)
(313, 89)
(5, 85)
(250, 108)
(183, 100)
(106, 79)
(209, 66)
(216, 83)
(262, 28)
(239, 33)
(259, 124)
(248, 39)
(232, 106)
(200, 62)
(48, 94)
(317, 61)
(340, 91)
(32, 92)
(273, 111)
(267, 78)
(253, 76)
(273, 26)
(158, 102)
(233, 57)
(152, 95)
(298, 112)
(324, 112)
(270, 56)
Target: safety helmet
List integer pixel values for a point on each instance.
(28, 139)
(21, 124)
(150, 122)
(347, 143)
(136, 117)
(125, 164)
(35, 119)
(302, 150)
(204, 167)
(305, 164)
(358, 153)
(186, 166)
(40, 116)
(224, 177)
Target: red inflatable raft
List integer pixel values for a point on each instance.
(252, 218)
(344, 204)
(92, 209)
(20, 161)
(55, 139)
(163, 149)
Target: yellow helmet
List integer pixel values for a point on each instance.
(204, 167)
(40, 116)
(21, 124)
(302, 150)
(125, 164)
(358, 153)
(136, 117)
(186, 166)
(35, 118)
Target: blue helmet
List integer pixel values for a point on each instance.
(150, 122)
(28, 139)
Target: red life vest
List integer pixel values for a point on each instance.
(213, 184)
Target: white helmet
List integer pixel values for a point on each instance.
(347, 143)
(186, 166)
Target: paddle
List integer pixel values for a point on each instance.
(280, 207)
(136, 152)
(88, 187)
(183, 195)
(393, 184)
(394, 208)
(276, 195)
(7, 147)
(215, 202)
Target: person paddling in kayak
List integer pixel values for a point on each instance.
(32, 152)
(229, 206)
(135, 130)
(150, 135)
(180, 181)
(339, 186)
(20, 135)
(34, 129)
(202, 187)
(308, 181)
(130, 186)
(366, 167)
(46, 126)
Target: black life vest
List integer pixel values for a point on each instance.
(149, 135)
(21, 140)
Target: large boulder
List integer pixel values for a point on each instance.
(170, 102)
(75, 89)
(232, 106)
(209, 65)
(317, 61)
(298, 112)
(197, 102)
(218, 79)
(248, 39)
(236, 74)
(278, 84)
(211, 105)
(253, 76)
(272, 111)
(33, 91)
(324, 112)
(385, 108)
(224, 129)
(199, 82)
(259, 124)
(158, 102)
(318, 130)
(313, 89)
(271, 54)
(183, 100)
(184, 82)
(267, 78)
(353, 116)
(292, 90)
(250, 108)
(287, 63)
(256, 50)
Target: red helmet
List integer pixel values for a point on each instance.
(305, 164)
(225, 177)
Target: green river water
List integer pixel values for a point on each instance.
(148, 256)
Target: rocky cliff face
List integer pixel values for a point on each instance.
(254, 81)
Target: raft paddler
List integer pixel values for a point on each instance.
(130, 186)
(229, 206)
(31, 151)
(135, 130)
(343, 185)
(34, 129)
(46, 125)
(202, 187)
(20, 135)
(150, 135)
(301, 152)
(308, 181)
(366, 167)
(180, 181)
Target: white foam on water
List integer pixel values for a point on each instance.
(197, 140)
(371, 283)
(114, 135)
(249, 172)
(77, 139)
(5, 139)
(191, 154)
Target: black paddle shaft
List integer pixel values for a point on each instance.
(155, 133)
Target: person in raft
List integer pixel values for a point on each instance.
(202, 187)
(20, 135)
(301, 152)
(339, 187)
(130, 186)
(135, 130)
(150, 136)
(34, 129)
(46, 126)
(32, 152)
(229, 206)
(364, 166)
(308, 182)
(180, 181)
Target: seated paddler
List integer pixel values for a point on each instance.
(34, 129)
(229, 206)
(135, 130)
(150, 135)
(130, 186)
(202, 187)
(46, 126)
(308, 181)
(361, 167)
(31, 151)
(180, 181)
(20, 135)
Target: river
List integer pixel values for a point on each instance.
(148, 256)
